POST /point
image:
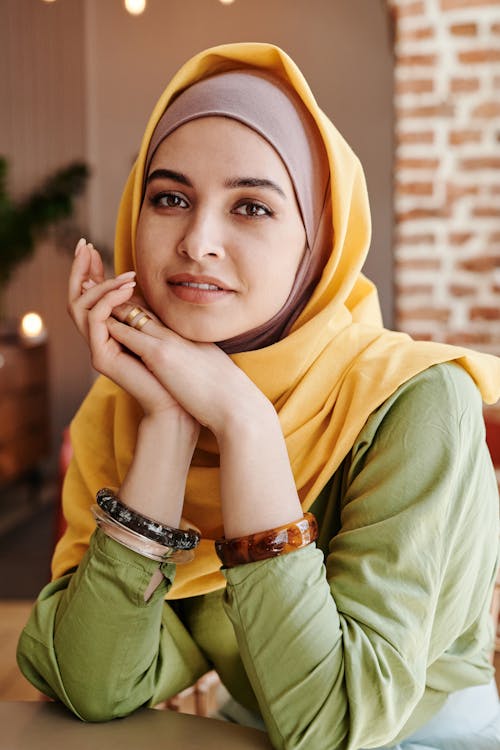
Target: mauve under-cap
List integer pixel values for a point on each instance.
(275, 112)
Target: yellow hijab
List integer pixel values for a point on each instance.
(334, 368)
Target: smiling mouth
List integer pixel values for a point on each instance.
(198, 292)
(194, 285)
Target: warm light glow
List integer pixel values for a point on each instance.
(226, 2)
(135, 7)
(32, 327)
(49, 1)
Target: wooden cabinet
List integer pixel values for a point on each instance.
(24, 408)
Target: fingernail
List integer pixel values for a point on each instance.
(81, 242)
(126, 275)
(88, 284)
(127, 285)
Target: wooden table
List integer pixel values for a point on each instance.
(49, 726)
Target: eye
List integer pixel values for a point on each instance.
(169, 200)
(252, 209)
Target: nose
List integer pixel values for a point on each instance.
(202, 237)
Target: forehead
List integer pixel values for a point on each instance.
(222, 144)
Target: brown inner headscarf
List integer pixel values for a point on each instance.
(275, 112)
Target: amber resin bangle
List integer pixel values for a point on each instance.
(265, 544)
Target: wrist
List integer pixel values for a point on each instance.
(171, 425)
(247, 420)
(257, 485)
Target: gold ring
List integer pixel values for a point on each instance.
(135, 311)
(141, 321)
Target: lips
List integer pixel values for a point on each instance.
(198, 282)
(193, 285)
(198, 289)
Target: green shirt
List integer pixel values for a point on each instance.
(353, 642)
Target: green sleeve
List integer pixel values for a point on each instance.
(343, 653)
(95, 644)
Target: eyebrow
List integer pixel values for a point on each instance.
(235, 182)
(169, 174)
(239, 182)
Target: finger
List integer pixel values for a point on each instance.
(91, 292)
(97, 317)
(96, 266)
(99, 308)
(133, 339)
(123, 312)
(88, 298)
(87, 268)
(79, 270)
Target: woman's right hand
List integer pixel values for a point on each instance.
(156, 479)
(91, 300)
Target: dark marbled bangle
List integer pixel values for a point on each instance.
(270, 543)
(146, 527)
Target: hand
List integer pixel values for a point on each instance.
(91, 300)
(200, 376)
(256, 482)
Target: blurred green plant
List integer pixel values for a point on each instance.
(23, 222)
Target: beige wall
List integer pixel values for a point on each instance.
(342, 46)
(42, 128)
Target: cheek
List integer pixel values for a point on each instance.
(293, 250)
(149, 250)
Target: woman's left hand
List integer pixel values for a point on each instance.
(200, 376)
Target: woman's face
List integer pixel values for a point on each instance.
(220, 236)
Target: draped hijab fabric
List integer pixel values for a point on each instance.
(334, 367)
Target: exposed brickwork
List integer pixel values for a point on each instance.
(467, 4)
(405, 10)
(447, 170)
(456, 137)
(464, 29)
(475, 56)
(416, 137)
(419, 33)
(461, 85)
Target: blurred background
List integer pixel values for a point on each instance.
(413, 85)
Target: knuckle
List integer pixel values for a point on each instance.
(160, 351)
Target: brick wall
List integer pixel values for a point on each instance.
(447, 170)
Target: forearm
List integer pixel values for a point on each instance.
(291, 646)
(322, 680)
(257, 485)
(156, 480)
(96, 645)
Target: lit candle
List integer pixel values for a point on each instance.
(32, 328)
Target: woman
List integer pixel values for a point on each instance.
(363, 623)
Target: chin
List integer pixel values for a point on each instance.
(201, 334)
